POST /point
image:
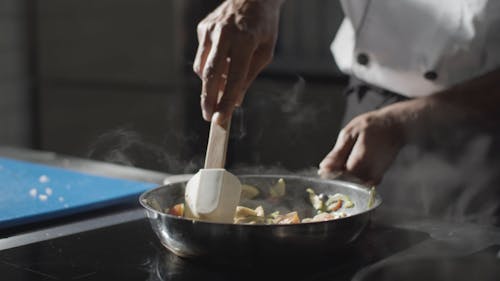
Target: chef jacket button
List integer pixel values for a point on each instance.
(362, 59)
(430, 75)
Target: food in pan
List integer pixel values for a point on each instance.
(325, 206)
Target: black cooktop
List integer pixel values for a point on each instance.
(131, 251)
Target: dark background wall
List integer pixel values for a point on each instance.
(114, 83)
(15, 99)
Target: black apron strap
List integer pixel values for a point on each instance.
(362, 97)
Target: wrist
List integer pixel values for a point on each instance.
(412, 118)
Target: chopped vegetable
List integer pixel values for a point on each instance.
(327, 207)
(278, 189)
(244, 211)
(274, 215)
(259, 211)
(249, 191)
(331, 208)
(332, 199)
(371, 198)
(348, 202)
(325, 217)
(335, 205)
(177, 210)
(248, 215)
(289, 218)
(315, 200)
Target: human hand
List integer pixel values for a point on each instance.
(236, 41)
(366, 146)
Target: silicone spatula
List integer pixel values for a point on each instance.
(213, 193)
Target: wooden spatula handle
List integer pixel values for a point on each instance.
(217, 144)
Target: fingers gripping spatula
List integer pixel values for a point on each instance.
(213, 193)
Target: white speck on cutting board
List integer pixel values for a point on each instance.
(48, 191)
(43, 179)
(61, 199)
(66, 205)
(68, 186)
(43, 197)
(33, 192)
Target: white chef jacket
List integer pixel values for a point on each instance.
(418, 47)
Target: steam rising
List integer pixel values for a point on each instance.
(461, 189)
(275, 132)
(288, 130)
(126, 147)
(285, 125)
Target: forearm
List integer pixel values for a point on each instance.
(473, 105)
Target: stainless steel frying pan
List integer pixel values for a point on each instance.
(230, 242)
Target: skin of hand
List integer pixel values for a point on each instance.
(236, 41)
(367, 145)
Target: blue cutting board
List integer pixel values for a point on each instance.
(32, 192)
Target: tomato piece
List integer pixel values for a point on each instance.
(336, 206)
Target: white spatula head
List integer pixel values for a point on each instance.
(212, 195)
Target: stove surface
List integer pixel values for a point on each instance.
(131, 251)
(483, 265)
